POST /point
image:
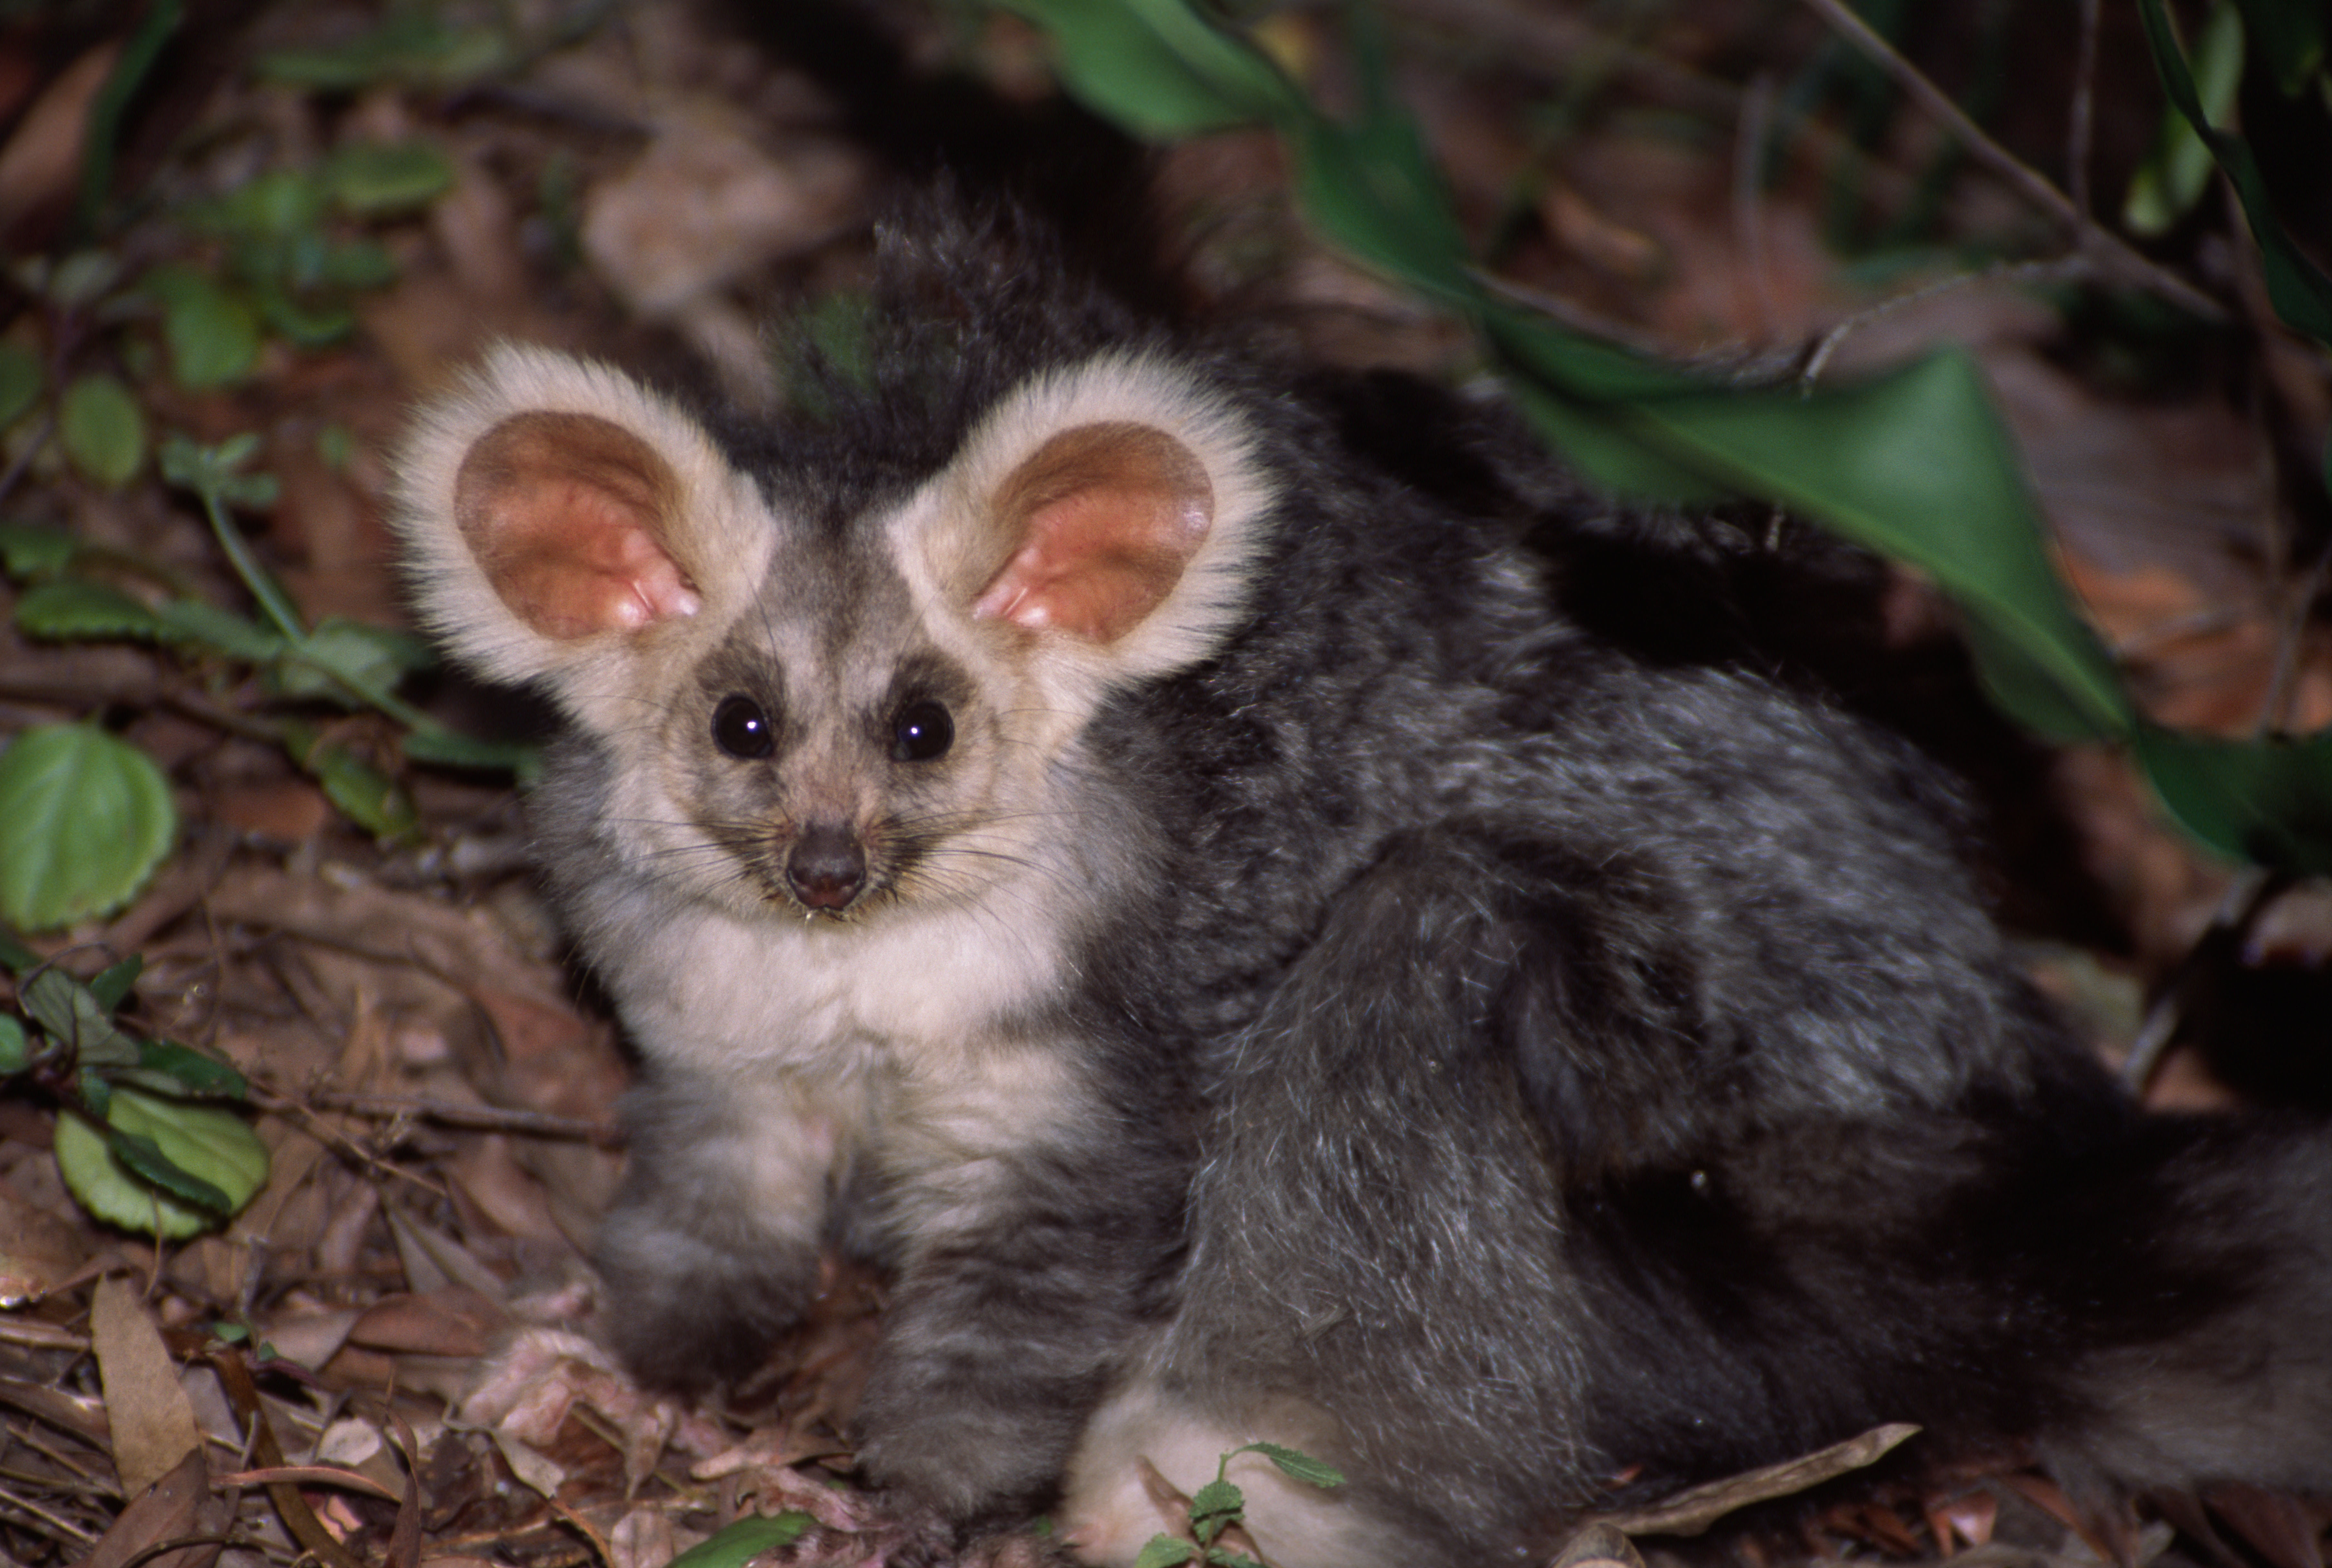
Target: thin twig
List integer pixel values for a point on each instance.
(48, 428)
(2111, 248)
(2060, 269)
(2253, 888)
(2078, 135)
(477, 1118)
(1749, 195)
(51, 1520)
(2280, 686)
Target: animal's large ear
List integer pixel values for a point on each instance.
(1110, 512)
(556, 516)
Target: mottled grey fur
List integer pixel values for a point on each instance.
(1541, 1060)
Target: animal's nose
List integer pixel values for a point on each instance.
(828, 865)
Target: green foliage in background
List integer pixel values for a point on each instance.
(1916, 464)
(147, 1140)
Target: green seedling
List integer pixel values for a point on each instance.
(338, 663)
(1219, 1504)
(145, 1137)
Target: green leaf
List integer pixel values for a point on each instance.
(746, 1539)
(27, 550)
(1165, 1552)
(74, 609)
(369, 797)
(311, 324)
(185, 1071)
(1156, 69)
(1918, 466)
(413, 45)
(2301, 294)
(212, 335)
(2289, 36)
(1300, 1466)
(112, 983)
(343, 658)
(1225, 1558)
(445, 748)
(374, 179)
(84, 818)
(202, 1145)
(161, 1164)
(220, 631)
(2265, 801)
(16, 1051)
(79, 1021)
(278, 206)
(102, 127)
(107, 1189)
(143, 1157)
(19, 382)
(102, 429)
(1214, 1506)
(2166, 186)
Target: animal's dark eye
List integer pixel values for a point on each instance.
(742, 729)
(921, 731)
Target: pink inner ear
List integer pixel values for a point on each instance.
(567, 513)
(1108, 517)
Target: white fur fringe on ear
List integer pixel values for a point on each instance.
(1133, 470)
(695, 543)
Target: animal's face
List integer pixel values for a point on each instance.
(817, 720)
(833, 757)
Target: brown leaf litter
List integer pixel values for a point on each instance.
(387, 1359)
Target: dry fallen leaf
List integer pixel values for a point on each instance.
(153, 1421)
(179, 1505)
(1694, 1510)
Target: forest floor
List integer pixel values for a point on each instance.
(384, 1357)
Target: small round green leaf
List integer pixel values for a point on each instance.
(372, 179)
(106, 1188)
(16, 1051)
(19, 382)
(102, 429)
(1216, 1499)
(213, 336)
(210, 1148)
(84, 818)
(1165, 1552)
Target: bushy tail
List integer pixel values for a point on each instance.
(2140, 1303)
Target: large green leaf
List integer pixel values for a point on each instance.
(1916, 465)
(2300, 292)
(1156, 69)
(84, 818)
(2268, 802)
